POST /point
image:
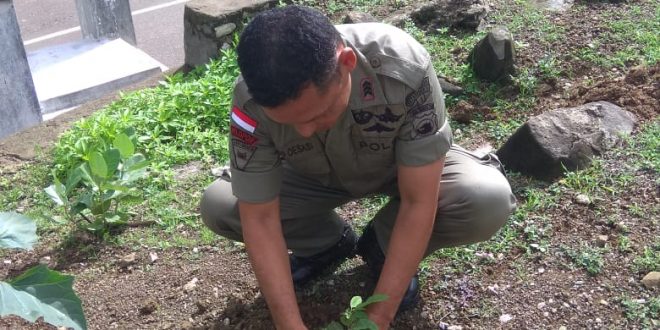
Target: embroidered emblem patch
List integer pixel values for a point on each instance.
(242, 153)
(243, 135)
(242, 120)
(388, 117)
(378, 128)
(425, 125)
(367, 86)
(419, 96)
(364, 117)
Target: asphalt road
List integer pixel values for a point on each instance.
(158, 26)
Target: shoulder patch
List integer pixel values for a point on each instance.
(242, 120)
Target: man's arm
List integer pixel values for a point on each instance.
(418, 187)
(262, 232)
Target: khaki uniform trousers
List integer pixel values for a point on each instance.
(474, 203)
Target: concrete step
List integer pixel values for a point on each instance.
(71, 74)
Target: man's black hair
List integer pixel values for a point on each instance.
(282, 50)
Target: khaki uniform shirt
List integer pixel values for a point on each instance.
(395, 116)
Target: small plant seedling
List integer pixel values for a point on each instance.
(95, 187)
(355, 316)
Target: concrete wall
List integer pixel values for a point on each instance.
(19, 107)
(106, 19)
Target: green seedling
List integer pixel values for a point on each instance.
(97, 185)
(355, 316)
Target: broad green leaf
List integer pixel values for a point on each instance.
(53, 191)
(72, 180)
(135, 162)
(85, 174)
(100, 208)
(117, 219)
(17, 231)
(374, 299)
(43, 292)
(112, 158)
(364, 324)
(355, 301)
(124, 145)
(98, 165)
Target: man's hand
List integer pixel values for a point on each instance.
(264, 241)
(419, 189)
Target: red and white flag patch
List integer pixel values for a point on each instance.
(242, 120)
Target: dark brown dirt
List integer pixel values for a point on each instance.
(538, 289)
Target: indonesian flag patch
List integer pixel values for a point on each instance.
(243, 120)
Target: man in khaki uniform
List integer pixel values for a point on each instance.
(324, 115)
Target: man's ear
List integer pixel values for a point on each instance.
(347, 58)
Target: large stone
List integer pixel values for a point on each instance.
(652, 280)
(567, 137)
(19, 108)
(450, 13)
(493, 56)
(209, 25)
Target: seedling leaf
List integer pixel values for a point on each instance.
(41, 292)
(17, 231)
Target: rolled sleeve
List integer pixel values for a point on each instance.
(256, 187)
(426, 134)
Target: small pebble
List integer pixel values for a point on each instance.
(582, 199)
(505, 318)
(540, 305)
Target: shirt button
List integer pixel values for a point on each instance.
(375, 62)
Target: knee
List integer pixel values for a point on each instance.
(218, 208)
(490, 202)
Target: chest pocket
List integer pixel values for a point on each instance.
(373, 134)
(306, 156)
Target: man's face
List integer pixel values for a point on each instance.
(317, 110)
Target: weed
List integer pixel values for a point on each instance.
(641, 311)
(588, 258)
(649, 260)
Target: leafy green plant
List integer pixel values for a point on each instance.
(643, 312)
(649, 260)
(355, 316)
(39, 292)
(96, 186)
(589, 258)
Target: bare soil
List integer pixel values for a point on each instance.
(213, 287)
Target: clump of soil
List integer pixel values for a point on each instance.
(637, 92)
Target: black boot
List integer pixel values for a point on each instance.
(304, 269)
(370, 251)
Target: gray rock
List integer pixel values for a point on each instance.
(493, 56)
(568, 137)
(651, 280)
(209, 25)
(358, 17)
(450, 13)
(450, 88)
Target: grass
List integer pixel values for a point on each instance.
(636, 28)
